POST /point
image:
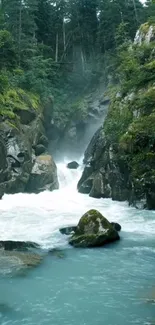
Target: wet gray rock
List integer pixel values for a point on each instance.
(104, 176)
(85, 183)
(10, 245)
(43, 175)
(16, 162)
(21, 139)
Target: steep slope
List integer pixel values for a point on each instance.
(120, 159)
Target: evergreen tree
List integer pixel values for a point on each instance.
(19, 20)
(150, 10)
(112, 14)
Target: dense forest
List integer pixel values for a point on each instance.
(52, 47)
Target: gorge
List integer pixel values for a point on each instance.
(77, 145)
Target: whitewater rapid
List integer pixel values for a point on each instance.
(38, 217)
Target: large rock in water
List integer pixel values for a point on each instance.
(93, 230)
(73, 165)
(43, 175)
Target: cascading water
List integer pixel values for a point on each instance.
(108, 285)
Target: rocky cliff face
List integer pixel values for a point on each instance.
(104, 174)
(120, 159)
(22, 139)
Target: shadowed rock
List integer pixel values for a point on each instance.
(116, 226)
(73, 165)
(68, 230)
(39, 149)
(10, 245)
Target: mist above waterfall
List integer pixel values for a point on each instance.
(74, 137)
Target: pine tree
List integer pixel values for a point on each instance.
(112, 14)
(19, 20)
(150, 10)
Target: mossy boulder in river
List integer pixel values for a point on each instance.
(93, 230)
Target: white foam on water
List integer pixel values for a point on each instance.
(38, 217)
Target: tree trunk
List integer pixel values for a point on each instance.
(57, 48)
(135, 10)
(83, 61)
(19, 32)
(64, 37)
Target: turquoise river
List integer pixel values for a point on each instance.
(113, 285)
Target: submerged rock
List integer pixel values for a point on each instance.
(5, 308)
(57, 252)
(10, 245)
(73, 165)
(93, 230)
(67, 230)
(13, 261)
(43, 175)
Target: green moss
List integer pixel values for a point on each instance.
(13, 124)
(144, 28)
(118, 119)
(144, 101)
(140, 135)
(35, 100)
(12, 100)
(7, 113)
(90, 223)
